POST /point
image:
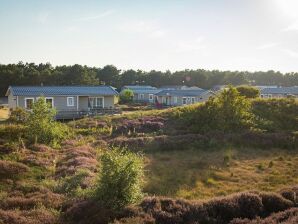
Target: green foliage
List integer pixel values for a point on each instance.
(227, 112)
(248, 91)
(41, 126)
(121, 178)
(34, 74)
(276, 114)
(126, 96)
(19, 115)
(12, 132)
(71, 185)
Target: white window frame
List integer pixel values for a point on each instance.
(141, 96)
(50, 98)
(151, 97)
(28, 98)
(96, 97)
(46, 98)
(73, 103)
(184, 98)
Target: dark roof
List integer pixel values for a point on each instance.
(61, 90)
(280, 90)
(182, 92)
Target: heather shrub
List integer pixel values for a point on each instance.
(289, 216)
(273, 202)
(12, 169)
(41, 127)
(88, 212)
(72, 185)
(36, 216)
(75, 158)
(121, 178)
(140, 125)
(12, 132)
(245, 205)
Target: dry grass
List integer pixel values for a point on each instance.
(4, 114)
(198, 174)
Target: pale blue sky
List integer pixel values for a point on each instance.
(156, 34)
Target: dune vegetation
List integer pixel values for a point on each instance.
(229, 160)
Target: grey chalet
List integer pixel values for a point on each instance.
(65, 99)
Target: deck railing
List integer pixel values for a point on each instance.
(65, 115)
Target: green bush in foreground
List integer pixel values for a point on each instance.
(41, 126)
(121, 178)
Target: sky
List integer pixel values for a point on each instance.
(163, 35)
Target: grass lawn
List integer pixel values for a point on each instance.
(197, 174)
(4, 112)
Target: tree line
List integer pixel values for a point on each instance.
(46, 74)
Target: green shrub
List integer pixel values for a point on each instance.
(126, 96)
(12, 132)
(121, 178)
(276, 114)
(41, 127)
(229, 112)
(248, 91)
(19, 115)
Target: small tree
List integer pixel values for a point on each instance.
(41, 126)
(248, 91)
(126, 96)
(234, 111)
(121, 178)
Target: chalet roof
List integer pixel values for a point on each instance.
(61, 90)
(281, 90)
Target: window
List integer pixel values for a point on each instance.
(188, 100)
(175, 99)
(184, 101)
(141, 96)
(269, 95)
(151, 97)
(96, 102)
(192, 100)
(164, 100)
(50, 101)
(262, 96)
(29, 103)
(70, 101)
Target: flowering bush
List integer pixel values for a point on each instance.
(141, 125)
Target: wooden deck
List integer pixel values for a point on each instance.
(70, 115)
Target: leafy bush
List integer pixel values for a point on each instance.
(121, 178)
(41, 127)
(18, 115)
(248, 91)
(126, 96)
(276, 114)
(228, 112)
